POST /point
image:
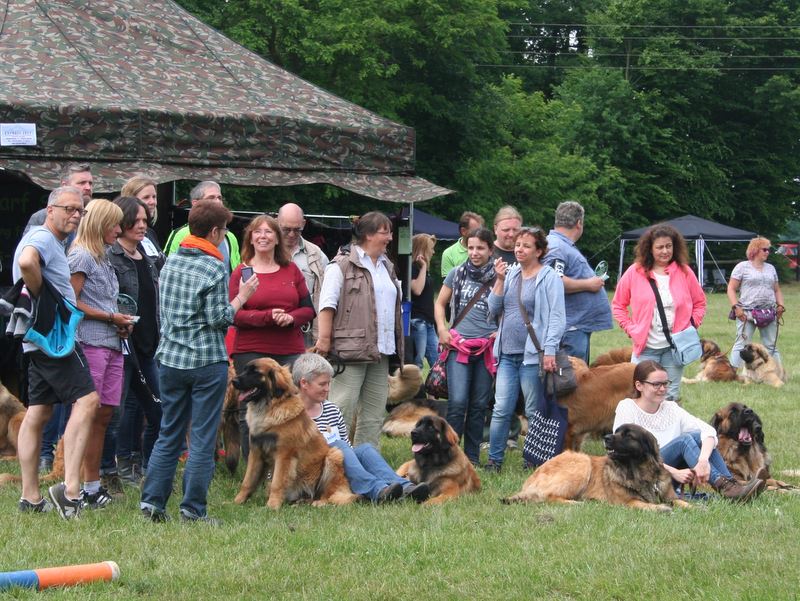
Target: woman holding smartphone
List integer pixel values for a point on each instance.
(268, 325)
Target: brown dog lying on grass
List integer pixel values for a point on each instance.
(439, 461)
(285, 439)
(714, 366)
(741, 444)
(632, 474)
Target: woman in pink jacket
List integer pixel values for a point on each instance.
(661, 256)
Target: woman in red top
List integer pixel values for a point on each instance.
(268, 325)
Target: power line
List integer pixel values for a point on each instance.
(635, 67)
(659, 37)
(653, 55)
(630, 26)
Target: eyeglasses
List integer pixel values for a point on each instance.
(292, 230)
(222, 229)
(658, 385)
(218, 197)
(70, 210)
(766, 250)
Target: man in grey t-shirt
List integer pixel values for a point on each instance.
(76, 175)
(40, 254)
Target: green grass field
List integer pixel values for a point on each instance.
(472, 548)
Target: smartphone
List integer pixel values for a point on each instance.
(247, 273)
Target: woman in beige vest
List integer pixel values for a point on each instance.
(359, 321)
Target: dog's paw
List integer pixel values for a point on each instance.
(240, 499)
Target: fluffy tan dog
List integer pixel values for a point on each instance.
(632, 474)
(283, 437)
(404, 385)
(760, 367)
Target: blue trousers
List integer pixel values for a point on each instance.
(189, 397)
(426, 342)
(469, 387)
(684, 451)
(576, 343)
(512, 374)
(366, 470)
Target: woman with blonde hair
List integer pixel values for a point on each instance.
(143, 187)
(423, 321)
(760, 302)
(96, 289)
(268, 325)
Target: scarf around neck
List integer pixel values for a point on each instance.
(201, 244)
(482, 275)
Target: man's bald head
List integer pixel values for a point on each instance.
(291, 221)
(290, 211)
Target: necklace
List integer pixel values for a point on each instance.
(133, 254)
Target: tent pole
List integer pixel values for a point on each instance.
(410, 257)
(698, 255)
(621, 257)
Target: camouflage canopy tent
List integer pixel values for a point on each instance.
(138, 86)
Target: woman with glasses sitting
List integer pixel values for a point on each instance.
(687, 444)
(756, 281)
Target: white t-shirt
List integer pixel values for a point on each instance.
(655, 337)
(666, 424)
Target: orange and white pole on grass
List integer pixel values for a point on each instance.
(62, 576)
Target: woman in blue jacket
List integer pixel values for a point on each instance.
(542, 294)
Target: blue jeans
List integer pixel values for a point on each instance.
(683, 452)
(576, 343)
(189, 397)
(135, 407)
(108, 460)
(511, 375)
(469, 387)
(674, 369)
(744, 335)
(426, 342)
(366, 470)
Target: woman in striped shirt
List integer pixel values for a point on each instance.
(366, 470)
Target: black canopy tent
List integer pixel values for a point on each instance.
(424, 223)
(692, 228)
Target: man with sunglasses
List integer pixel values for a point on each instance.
(52, 381)
(229, 247)
(308, 257)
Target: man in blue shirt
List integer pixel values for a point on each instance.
(585, 299)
